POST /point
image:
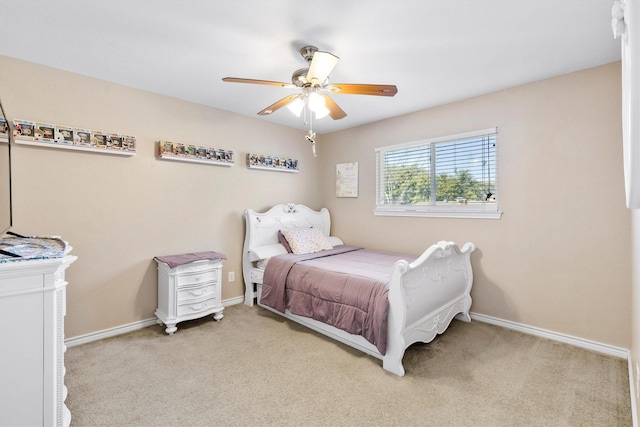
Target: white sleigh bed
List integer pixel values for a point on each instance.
(424, 295)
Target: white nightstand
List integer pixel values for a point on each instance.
(189, 291)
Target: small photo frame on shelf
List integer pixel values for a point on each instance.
(129, 143)
(114, 142)
(43, 132)
(24, 129)
(179, 149)
(190, 151)
(82, 137)
(226, 155)
(99, 139)
(165, 148)
(201, 152)
(4, 128)
(63, 135)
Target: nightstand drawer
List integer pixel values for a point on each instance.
(186, 293)
(196, 267)
(197, 277)
(188, 308)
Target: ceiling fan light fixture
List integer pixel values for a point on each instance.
(322, 112)
(316, 102)
(296, 106)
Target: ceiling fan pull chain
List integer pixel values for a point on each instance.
(305, 109)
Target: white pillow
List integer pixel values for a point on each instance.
(306, 240)
(335, 241)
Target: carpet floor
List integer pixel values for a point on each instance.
(254, 368)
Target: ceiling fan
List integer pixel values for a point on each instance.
(314, 83)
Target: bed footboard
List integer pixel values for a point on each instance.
(424, 296)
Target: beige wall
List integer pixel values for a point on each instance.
(559, 257)
(120, 212)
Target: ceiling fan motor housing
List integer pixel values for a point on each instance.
(299, 77)
(307, 52)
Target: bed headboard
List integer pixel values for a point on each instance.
(262, 227)
(261, 235)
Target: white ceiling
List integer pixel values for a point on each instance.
(435, 51)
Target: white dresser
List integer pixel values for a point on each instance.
(32, 309)
(189, 291)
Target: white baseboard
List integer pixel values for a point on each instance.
(111, 332)
(607, 349)
(555, 336)
(123, 329)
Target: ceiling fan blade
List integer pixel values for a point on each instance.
(277, 105)
(257, 82)
(321, 66)
(362, 89)
(335, 112)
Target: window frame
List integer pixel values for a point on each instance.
(482, 211)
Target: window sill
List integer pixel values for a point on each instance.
(461, 213)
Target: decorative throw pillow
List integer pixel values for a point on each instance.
(307, 240)
(283, 241)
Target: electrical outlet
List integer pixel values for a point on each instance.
(232, 276)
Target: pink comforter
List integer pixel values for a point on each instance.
(345, 287)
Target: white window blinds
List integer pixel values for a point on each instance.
(449, 176)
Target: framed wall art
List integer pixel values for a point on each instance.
(347, 179)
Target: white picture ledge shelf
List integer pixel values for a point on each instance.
(272, 163)
(196, 160)
(75, 147)
(274, 169)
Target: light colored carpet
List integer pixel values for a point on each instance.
(254, 368)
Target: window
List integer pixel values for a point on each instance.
(453, 176)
